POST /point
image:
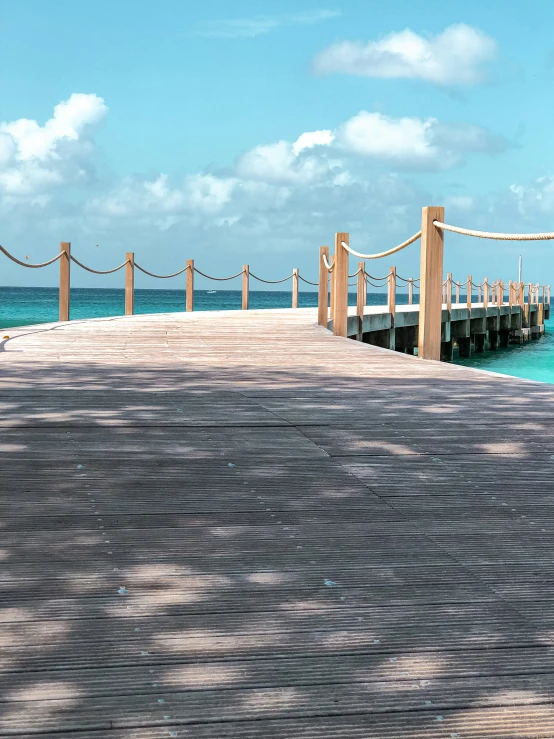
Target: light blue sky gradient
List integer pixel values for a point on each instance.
(192, 87)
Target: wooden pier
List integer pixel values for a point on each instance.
(472, 328)
(238, 525)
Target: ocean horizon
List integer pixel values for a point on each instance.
(26, 306)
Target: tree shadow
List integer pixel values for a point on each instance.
(355, 549)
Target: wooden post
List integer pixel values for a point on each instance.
(361, 298)
(332, 289)
(430, 286)
(295, 288)
(340, 273)
(521, 294)
(245, 286)
(410, 291)
(457, 293)
(65, 263)
(130, 283)
(323, 290)
(479, 294)
(469, 291)
(448, 300)
(511, 293)
(486, 292)
(391, 306)
(543, 294)
(190, 285)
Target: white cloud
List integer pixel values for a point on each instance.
(285, 195)
(312, 138)
(536, 198)
(260, 25)
(159, 202)
(422, 143)
(457, 56)
(34, 157)
(286, 162)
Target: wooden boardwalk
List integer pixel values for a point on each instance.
(237, 525)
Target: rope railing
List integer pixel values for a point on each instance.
(492, 235)
(130, 264)
(377, 279)
(277, 282)
(219, 279)
(308, 282)
(161, 277)
(434, 292)
(407, 280)
(31, 266)
(97, 271)
(404, 244)
(329, 266)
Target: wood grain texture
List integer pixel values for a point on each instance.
(237, 525)
(430, 286)
(130, 284)
(65, 272)
(323, 288)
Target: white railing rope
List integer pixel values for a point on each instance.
(411, 240)
(492, 235)
(328, 266)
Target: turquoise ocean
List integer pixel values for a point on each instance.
(24, 306)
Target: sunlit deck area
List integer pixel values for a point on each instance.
(235, 524)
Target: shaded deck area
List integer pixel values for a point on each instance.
(237, 525)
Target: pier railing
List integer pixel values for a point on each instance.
(434, 292)
(65, 258)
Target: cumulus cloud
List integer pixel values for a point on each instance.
(457, 56)
(158, 201)
(272, 177)
(423, 143)
(282, 161)
(278, 195)
(535, 198)
(35, 158)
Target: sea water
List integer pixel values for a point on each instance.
(532, 361)
(24, 306)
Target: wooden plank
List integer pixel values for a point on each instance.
(295, 562)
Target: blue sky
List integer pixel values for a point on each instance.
(236, 132)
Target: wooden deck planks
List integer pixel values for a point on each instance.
(314, 537)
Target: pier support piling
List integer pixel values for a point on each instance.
(479, 343)
(464, 347)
